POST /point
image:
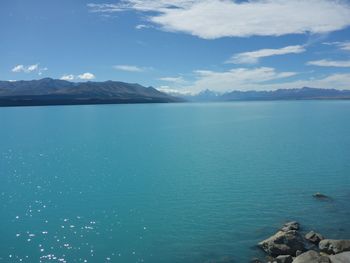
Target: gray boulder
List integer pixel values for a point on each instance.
(290, 226)
(311, 256)
(284, 259)
(333, 246)
(298, 253)
(283, 243)
(314, 237)
(340, 258)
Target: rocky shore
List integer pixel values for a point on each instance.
(289, 245)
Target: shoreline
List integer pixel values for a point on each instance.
(292, 244)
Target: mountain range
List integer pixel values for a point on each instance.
(49, 91)
(304, 93)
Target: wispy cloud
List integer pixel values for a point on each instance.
(253, 57)
(129, 68)
(142, 26)
(239, 79)
(104, 8)
(210, 19)
(330, 63)
(342, 45)
(29, 69)
(345, 46)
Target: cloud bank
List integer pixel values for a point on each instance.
(211, 19)
(235, 79)
(262, 78)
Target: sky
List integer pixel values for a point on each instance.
(184, 46)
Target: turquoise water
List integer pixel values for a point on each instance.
(168, 182)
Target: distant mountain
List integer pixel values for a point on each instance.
(206, 95)
(280, 94)
(49, 91)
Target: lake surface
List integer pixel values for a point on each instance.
(168, 182)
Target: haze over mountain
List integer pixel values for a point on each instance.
(49, 91)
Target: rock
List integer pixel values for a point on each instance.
(256, 260)
(283, 243)
(320, 196)
(298, 253)
(284, 259)
(311, 256)
(314, 237)
(290, 226)
(222, 260)
(340, 258)
(333, 246)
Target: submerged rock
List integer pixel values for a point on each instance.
(321, 196)
(340, 258)
(314, 237)
(283, 243)
(333, 246)
(311, 256)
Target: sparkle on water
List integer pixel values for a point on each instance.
(168, 182)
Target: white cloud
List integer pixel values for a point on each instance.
(253, 57)
(67, 77)
(28, 69)
(32, 67)
(210, 19)
(330, 63)
(141, 26)
(86, 76)
(83, 76)
(178, 80)
(18, 68)
(174, 92)
(129, 68)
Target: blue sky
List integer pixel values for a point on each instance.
(179, 45)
